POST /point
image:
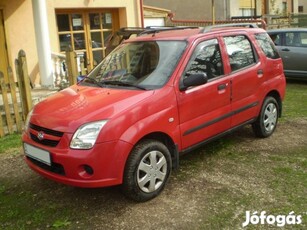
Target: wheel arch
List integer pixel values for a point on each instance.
(168, 142)
(275, 94)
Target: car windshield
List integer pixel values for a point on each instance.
(139, 65)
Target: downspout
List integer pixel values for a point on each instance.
(142, 13)
(213, 12)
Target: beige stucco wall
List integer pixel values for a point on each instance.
(20, 32)
(19, 29)
(304, 4)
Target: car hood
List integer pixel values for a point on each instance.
(66, 110)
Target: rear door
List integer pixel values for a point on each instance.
(204, 110)
(246, 74)
(292, 47)
(294, 52)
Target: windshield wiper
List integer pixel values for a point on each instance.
(122, 83)
(93, 80)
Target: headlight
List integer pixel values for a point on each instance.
(27, 122)
(86, 135)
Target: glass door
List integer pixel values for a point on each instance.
(86, 32)
(100, 30)
(72, 32)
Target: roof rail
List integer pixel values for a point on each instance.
(246, 25)
(157, 29)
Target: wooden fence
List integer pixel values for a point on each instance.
(15, 97)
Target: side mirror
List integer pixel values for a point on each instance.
(194, 80)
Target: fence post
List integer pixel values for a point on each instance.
(12, 83)
(2, 133)
(72, 67)
(24, 84)
(6, 104)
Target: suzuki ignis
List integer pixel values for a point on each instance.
(155, 97)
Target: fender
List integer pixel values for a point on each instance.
(165, 121)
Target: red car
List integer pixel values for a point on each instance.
(155, 97)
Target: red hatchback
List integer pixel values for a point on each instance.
(156, 96)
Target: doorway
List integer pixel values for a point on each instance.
(87, 32)
(3, 49)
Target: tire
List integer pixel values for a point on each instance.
(266, 123)
(147, 170)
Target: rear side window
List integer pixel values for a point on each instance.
(267, 45)
(240, 52)
(296, 39)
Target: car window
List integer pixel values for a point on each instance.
(296, 39)
(240, 52)
(276, 38)
(267, 45)
(303, 38)
(289, 39)
(206, 59)
(147, 64)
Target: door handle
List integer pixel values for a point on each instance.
(285, 49)
(259, 73)
(222, 86)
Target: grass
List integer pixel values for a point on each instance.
(295, 104)
(232, 181)
(9, 143)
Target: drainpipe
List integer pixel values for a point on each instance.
(213, 12)
(43, 42)
(142, 13)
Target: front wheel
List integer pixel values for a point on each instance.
(147, 170)
(266, 123)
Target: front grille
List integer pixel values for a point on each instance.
(45, 130)
(52, 142)
(55, 167)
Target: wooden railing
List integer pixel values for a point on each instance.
(16, 102)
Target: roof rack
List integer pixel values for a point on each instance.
(246, 25)
(157, 29)
(126, 32)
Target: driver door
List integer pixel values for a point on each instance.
(205, 110)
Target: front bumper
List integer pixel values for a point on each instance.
(101, 166)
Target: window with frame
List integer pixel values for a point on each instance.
(267, 45)
(240, 52)
(87, 32)
(206, 59)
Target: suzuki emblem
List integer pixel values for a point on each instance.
(40, 135)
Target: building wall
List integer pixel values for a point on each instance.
(193, 9)
(20, 31)
(303, 3)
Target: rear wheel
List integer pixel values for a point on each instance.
(147, 170)
(266, 123)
